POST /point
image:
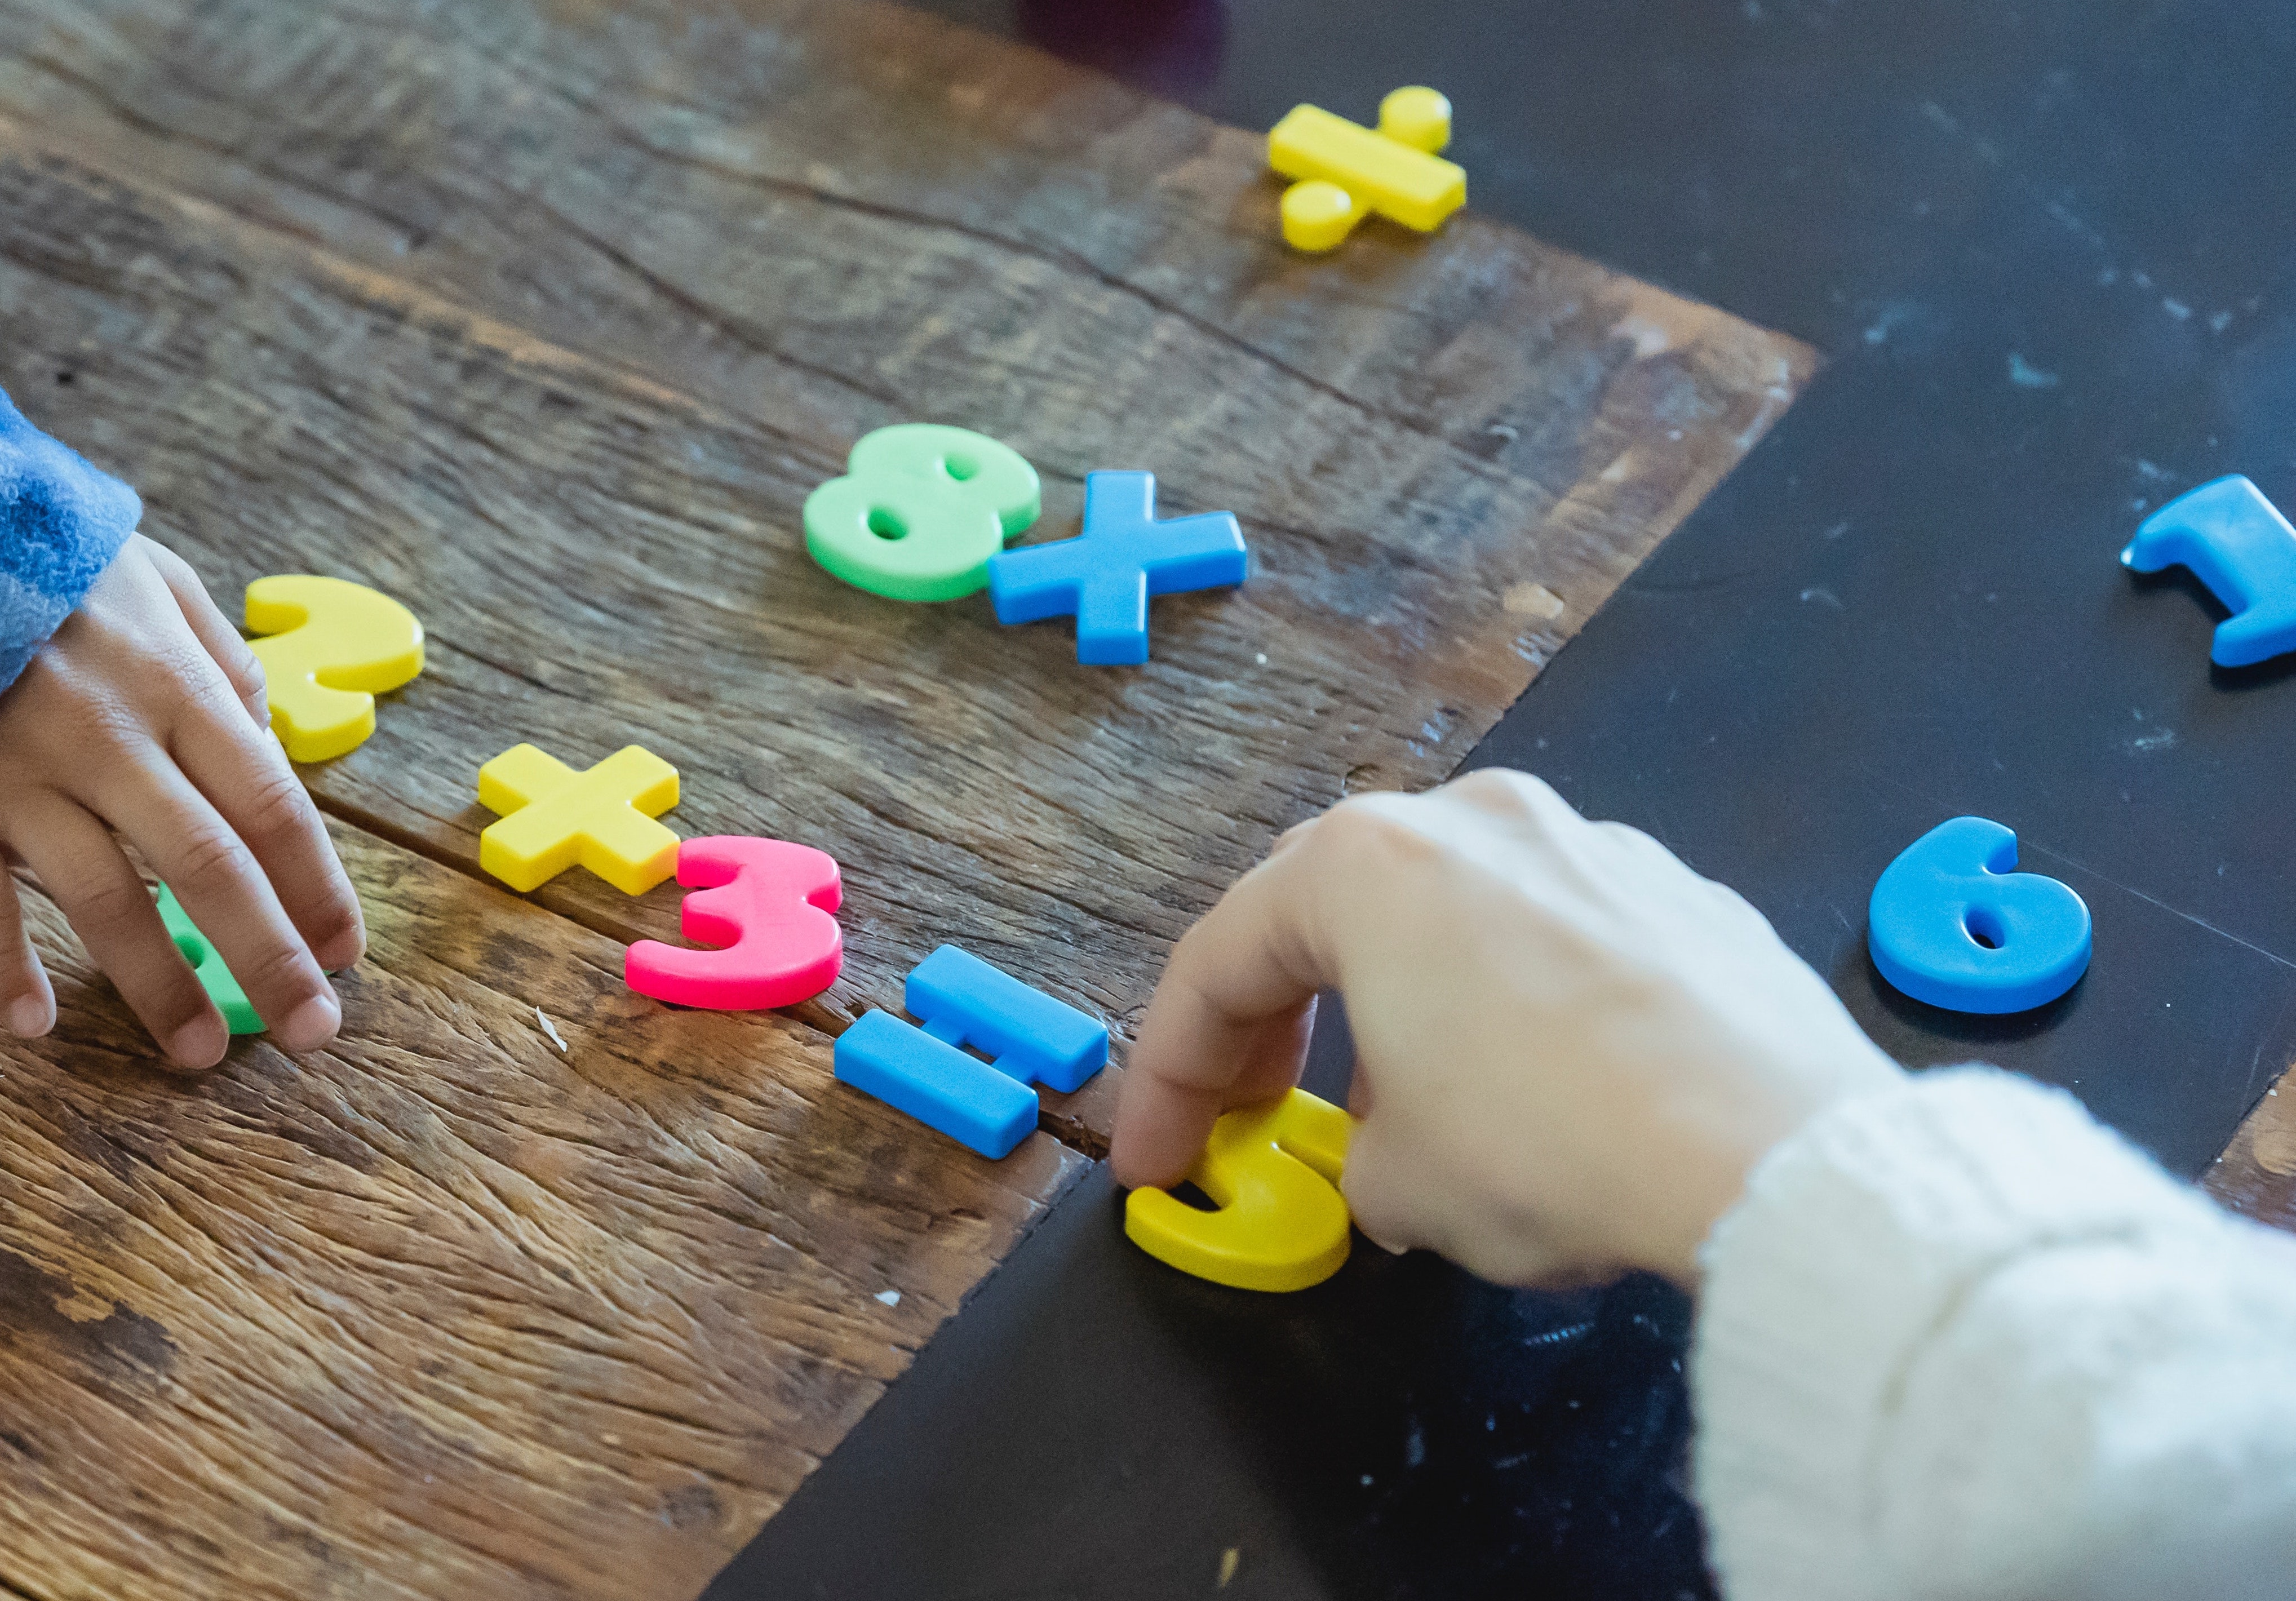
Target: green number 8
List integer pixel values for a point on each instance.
(921, 509)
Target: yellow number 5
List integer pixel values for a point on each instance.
(1274, 1171)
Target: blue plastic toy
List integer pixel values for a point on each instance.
(1028, 1037)
(936, 1083)
(2237, 543)
(1124, 555)
(1953, 924)
(963, 1000)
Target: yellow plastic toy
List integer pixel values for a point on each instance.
(330, 648)
(553, 818)
(1275, 1172)
(1348, 170)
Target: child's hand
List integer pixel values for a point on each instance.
(145, 714)
(1570, 1049)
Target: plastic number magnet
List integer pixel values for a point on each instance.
(921, 509)
(1347, 171)
(553, 818)
(1124, 555)
(238, 1011)
(1953, 924)
(768, 904)
(1028, 1036)
(935, 1083)
(963, 1000)
(2237, 543)
(330, 647)
(1274, 1173)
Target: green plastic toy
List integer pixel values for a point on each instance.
(921, 509)
(238, 1012)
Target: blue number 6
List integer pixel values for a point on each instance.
(1953, 924)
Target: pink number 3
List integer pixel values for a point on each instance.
(766, 903)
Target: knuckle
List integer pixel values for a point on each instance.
(67, 704)
(1368, 822)
(1488, 781)
(244, 668)
(1634, 841)
(278, 967)
(276, 805)
(1500, 790)
(209, 687)
(210, 851)
(122, 741)
(110, 907)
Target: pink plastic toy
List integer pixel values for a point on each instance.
(767, 904)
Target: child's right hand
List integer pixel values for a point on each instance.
(1570, 1049)
(145, 714)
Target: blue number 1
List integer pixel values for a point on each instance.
(1953, 924)
(2237, 543)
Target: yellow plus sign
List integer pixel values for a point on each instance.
(553, 818)
(1347, 171)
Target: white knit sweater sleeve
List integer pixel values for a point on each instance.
(1959, 1341)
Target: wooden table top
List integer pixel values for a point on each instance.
(2257, 1173)
(545, 317)
(546, 322)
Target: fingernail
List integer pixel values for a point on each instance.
(309, 1025)
(28, 1017)
(342, 952)
(199, 1044)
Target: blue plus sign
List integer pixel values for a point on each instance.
(1106, 575)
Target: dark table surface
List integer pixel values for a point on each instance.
(2046, 248)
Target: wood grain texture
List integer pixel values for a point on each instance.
(2257, 1173)
(546, 318)
(444, 1312)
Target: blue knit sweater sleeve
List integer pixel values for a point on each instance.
(61, 520)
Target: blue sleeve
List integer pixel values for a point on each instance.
(61, 520)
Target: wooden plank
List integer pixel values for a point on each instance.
(546, 319)
(444, 1312)
(2256, 1175)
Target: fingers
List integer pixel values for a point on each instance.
(1229, 1022)
(28, 1005)
(240, 769)
(148, 675)
(213, 630)
(222, 886)
(245, 775)
(84, 873)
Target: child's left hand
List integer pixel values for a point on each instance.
(143, 716)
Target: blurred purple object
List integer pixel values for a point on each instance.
(1165, 46)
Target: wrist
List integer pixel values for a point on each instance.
(1702, 1174)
